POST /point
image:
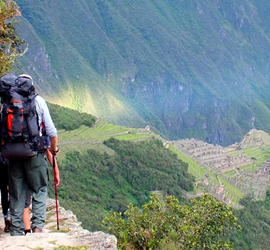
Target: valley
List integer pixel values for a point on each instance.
(187, 84)
(100, 173)
(228, 173)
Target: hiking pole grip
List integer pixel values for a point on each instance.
(55, 193)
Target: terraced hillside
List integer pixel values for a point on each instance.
(228, 173)
(231, 172)
(85, 138)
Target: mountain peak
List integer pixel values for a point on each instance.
(255, 138)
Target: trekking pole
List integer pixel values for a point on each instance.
(55, 192)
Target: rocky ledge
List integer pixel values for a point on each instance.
(71, 235)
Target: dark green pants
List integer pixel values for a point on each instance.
(34, 173)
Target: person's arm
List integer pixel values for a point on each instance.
(45, 117)
(55, 168)
(56, 174)
(53, 141)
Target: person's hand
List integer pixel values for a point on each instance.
(55, 168)
(56, 178)
(54, 152)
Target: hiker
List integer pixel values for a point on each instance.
(27, 164)
(26, 212)
(4, 192)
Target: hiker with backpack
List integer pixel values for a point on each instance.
(22, 113)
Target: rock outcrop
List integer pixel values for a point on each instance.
(71, 235)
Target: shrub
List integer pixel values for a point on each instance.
(199, 226)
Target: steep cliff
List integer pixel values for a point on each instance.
(70, 235)
(189, 69)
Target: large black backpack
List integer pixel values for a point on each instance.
(19, 130)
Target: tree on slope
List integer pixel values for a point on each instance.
(169, 225)
(10, 42)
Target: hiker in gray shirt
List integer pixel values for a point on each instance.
(32, 173)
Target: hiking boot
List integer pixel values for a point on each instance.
(27, 231)
(37, 230)
(7, 225)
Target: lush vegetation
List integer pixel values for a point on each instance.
(169, 225)
(68, 119)
(10, 42)
(156, 158)
(255, 222)
(99, 182)
(94, 183)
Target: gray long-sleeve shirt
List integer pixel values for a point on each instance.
(45, 117)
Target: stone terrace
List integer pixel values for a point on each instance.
(216, 158)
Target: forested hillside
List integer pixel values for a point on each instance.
(255, 222)
(94, 182)
(188, 68)
(69, 119)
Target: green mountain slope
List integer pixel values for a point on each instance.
(105, 167)
(99, 176)
(188, 68)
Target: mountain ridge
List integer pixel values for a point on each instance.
(190, 69)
